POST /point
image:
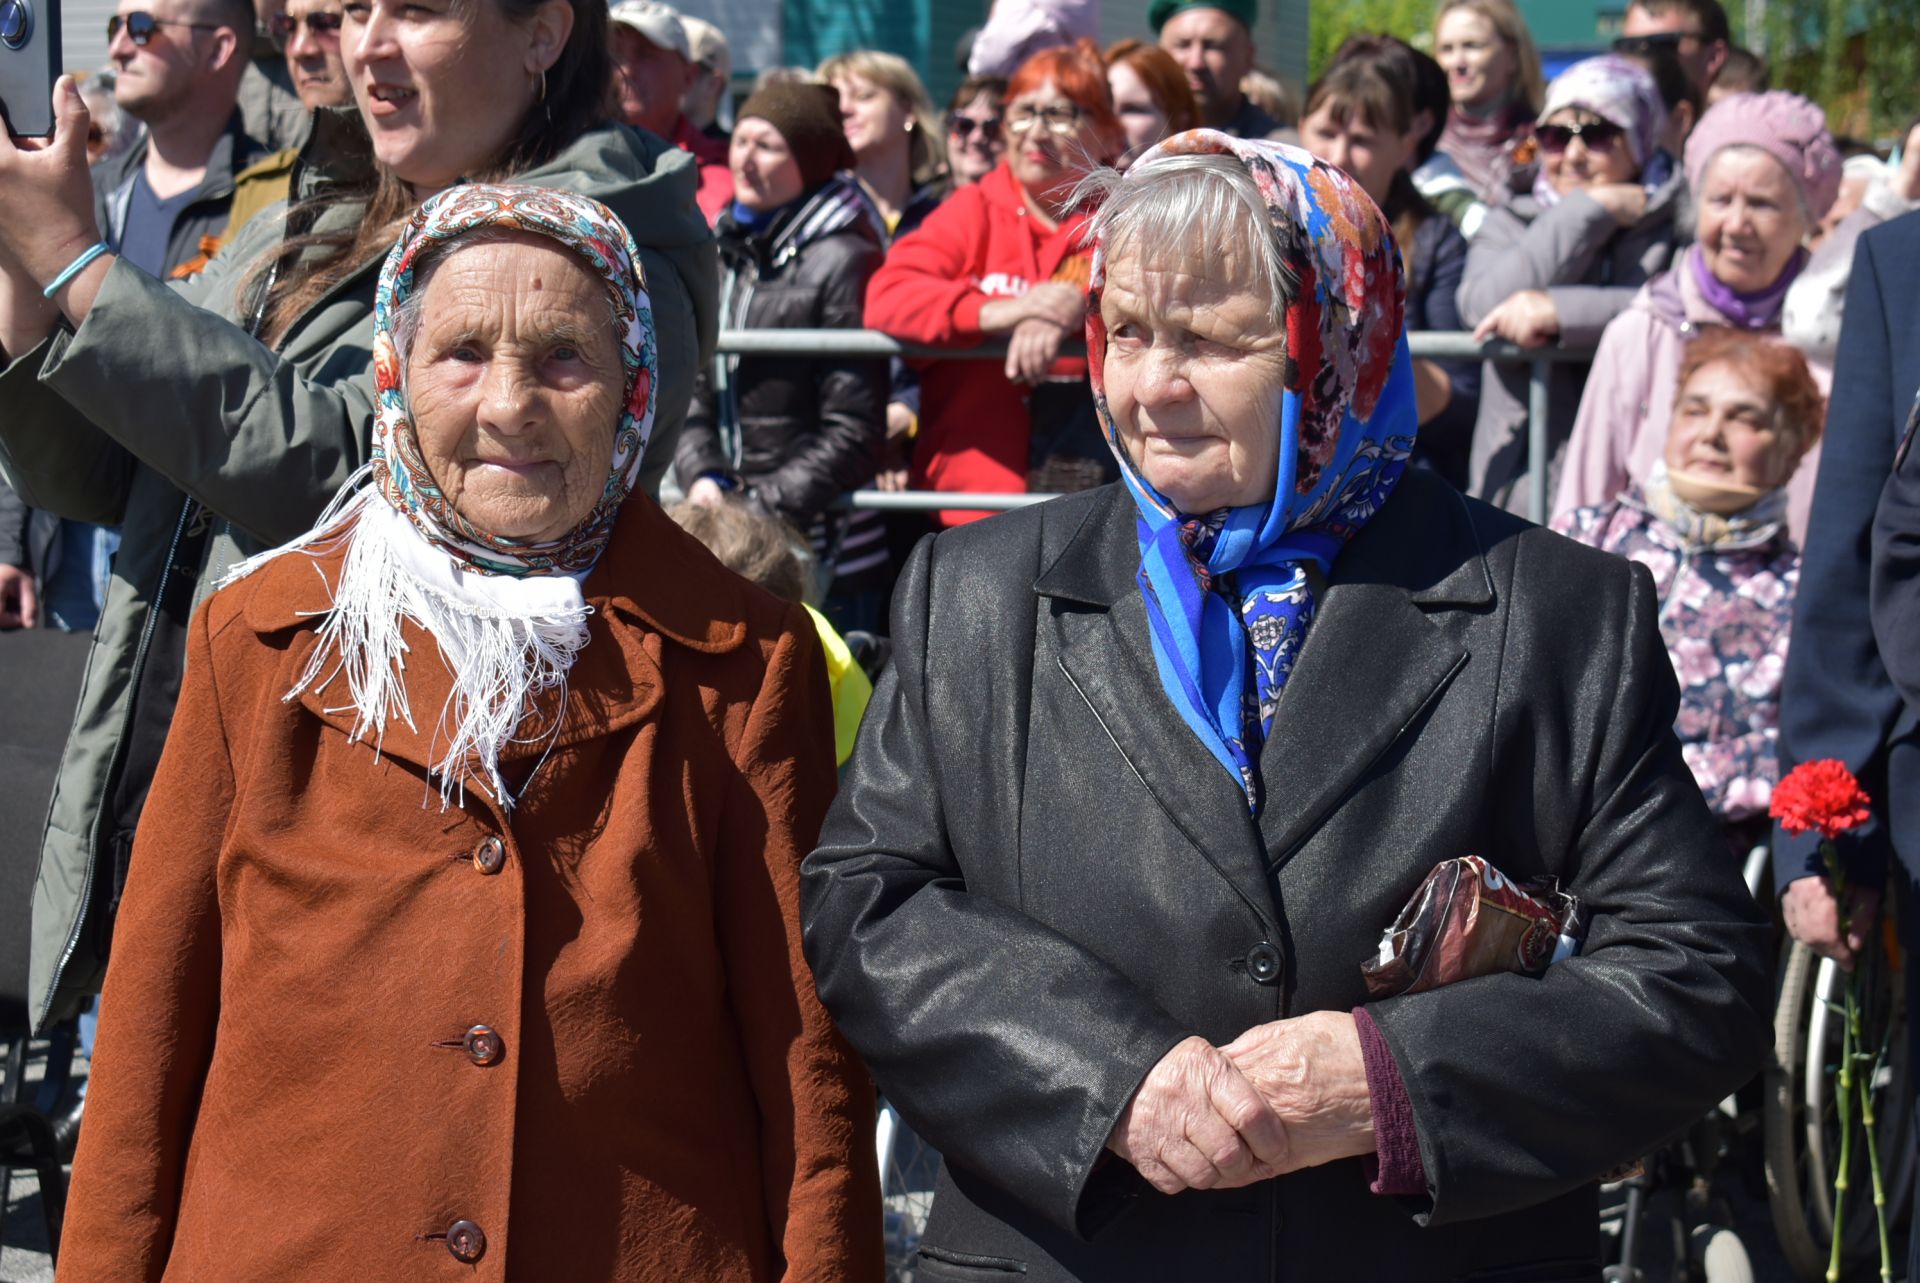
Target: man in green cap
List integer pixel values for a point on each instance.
(1212, 40)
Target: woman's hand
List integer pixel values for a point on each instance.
(1310, 1072)
(1056, 301)
(1065, 305)
(1813, 918)
(1196, 1123)
(1032, 349)
(46, 221)
(1627, 202)
(1906, 179)
(19, 607)
(1527, 318)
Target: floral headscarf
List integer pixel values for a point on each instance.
(507, 614)
(590, 230)
(1619, 91)
(1232, 586)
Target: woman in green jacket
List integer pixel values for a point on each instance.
(212, 418)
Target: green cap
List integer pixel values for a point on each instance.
(1161, 10)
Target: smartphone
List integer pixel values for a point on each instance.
(29, 64)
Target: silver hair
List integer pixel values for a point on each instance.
(407, 317)
(1200, 203)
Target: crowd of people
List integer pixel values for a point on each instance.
(325, 285)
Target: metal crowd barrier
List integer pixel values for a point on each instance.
(1433, 344)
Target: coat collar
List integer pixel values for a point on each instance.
(1372, 663)
(655, 585)
(1422, 541)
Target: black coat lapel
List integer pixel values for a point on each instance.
(1107, 654)
(1372, 661)
(1373, 658)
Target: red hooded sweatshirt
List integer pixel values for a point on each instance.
(982, 244)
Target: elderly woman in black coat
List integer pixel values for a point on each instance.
(1155, 765)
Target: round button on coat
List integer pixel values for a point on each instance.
(490, 856)
(1263, 963)
(483, 1046)
(466, 1241)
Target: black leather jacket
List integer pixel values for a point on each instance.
(794, 432)
(1036, 881)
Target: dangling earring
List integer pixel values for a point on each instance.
(542, 95)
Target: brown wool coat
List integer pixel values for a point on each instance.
(281, 1088)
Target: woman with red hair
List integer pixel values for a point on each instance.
(1710, 523)
(1150, 95)
(1003, 256)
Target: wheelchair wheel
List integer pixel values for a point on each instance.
(908, 1167)
(1798, 1114)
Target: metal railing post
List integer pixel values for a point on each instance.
(1432, 345)
(1537, 450)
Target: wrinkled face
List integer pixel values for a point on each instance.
(1051, 143)
(1725, 433)
(1195, 375)
(441, 86)
(514, 382)
(1370, 156)
(1480, 67)
(651, 80)
(155, 81)
(765, 174)
(976, 139)
(313, 53)
(872, 116)
(1585, 161)
(1216, 52)
(1141, 119)
(1751, 220)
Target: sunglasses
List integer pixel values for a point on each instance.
(1637, 46)
(1598, 136)
(141, 26)
(962, 127)
(321, 26)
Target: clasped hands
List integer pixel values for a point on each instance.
(1280, 1097)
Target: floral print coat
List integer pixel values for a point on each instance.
(1724, 614)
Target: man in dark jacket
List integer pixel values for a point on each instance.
(180, 66)
(1850, 689)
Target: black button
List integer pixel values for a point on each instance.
(466, 1242)
(483, 1045)
(490, 856)
(1263, 963)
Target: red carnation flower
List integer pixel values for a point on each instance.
(1820, 795)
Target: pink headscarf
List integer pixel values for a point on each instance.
(1785, 126)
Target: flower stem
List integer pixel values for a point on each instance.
(1854, 1005)
(1843, 1109)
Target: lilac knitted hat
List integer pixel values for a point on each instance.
(1786, 126)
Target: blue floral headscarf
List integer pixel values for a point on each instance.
(1228, 593)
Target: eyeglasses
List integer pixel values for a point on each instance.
(962, 127)
(1598, 136)
(1059, 119)
(321, 26)
(141, 26)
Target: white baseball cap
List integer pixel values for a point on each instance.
(658, 22)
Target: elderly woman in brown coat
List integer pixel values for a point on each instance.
(461, 932)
